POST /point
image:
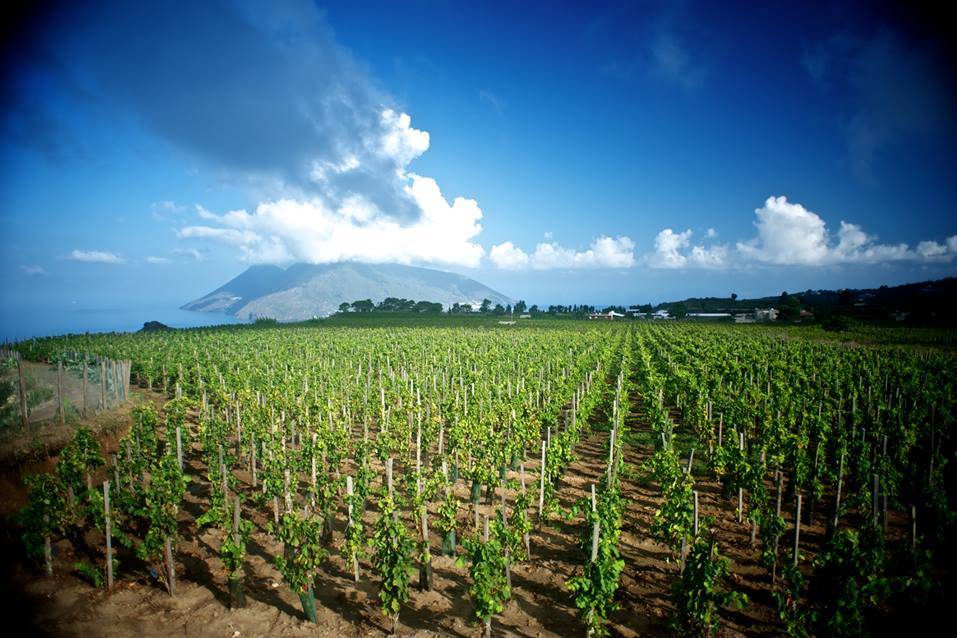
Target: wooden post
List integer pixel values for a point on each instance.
(109, 534)
(252, 459)
(840, 484)
(116, 386)
(874, 492)
(61, 415)
(288, 494)
(777, 539)
(913, 526)
(24, 413)
(426, 579)
(695, 492)
(47, 550)
(797, 530)
(313, 474)
(179, 446)
(740, 500)
(388, 475)
(83, 386)
(541, 487)
(596, 527)
(488, 623)
(168, 549)
(355, 559)
(102, 384)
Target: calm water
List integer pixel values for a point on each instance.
(16, 324)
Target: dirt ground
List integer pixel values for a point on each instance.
(541, 606)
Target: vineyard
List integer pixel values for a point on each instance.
(555, 478)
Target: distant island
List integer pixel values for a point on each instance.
(306, 291)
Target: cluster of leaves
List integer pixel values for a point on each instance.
(303, 554)
(488, 586)
(595, 589)
(702, 590)
(850, 580)
(392, 557)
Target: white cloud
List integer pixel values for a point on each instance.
(33, 270)
(401, 142)
(287, 230)
(158, 260)
(668, 247)
(714, 257)
(788, 234)
(604, 252)
(95, 257)
(508, 257)
(672, 251)
(192, 253)
(340, 227)
(791, 235)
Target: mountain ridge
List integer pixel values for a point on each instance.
(303, 291)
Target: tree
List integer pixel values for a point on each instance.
(734, 297)
(790, 309)
(499, 310)
(363, 305)
(534, 310)
(486, 305)
(520, 307)
(679, 311)
(344, 306)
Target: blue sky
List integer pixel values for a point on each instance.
(627, 152)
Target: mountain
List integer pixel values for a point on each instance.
(303, 291)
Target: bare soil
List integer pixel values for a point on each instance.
(541, 606)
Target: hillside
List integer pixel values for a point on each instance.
(303, 291)
(930, 302)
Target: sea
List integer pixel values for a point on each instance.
(17, 324)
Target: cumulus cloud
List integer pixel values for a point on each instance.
(267, 99)
(790, 234)
(604, 252)
(95, 257)
(674, 250)
(158, 260)
(508, 256)
(288, 230)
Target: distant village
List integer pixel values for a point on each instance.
(739, 316)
